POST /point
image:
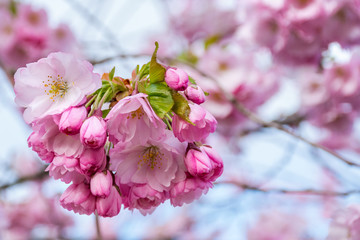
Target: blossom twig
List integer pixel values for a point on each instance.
(37, 176)
(253, 117)
(312, 192)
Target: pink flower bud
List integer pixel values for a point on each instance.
(177, 79)
(205, 123)
(72, 119)
(195, 94)
(78, 198)
(92, 160)
(109, 206)
(205, 164)
(93, 132)
(100, 184)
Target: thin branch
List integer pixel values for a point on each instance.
(98, 229)
(253, 117)
(311, 192)
(124, 56)
(37, 176)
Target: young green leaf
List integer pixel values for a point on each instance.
(181, 106)
(111, 74)
(157, 72)
(160, 98)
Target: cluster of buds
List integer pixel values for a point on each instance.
(120, 142)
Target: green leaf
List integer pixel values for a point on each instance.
(157, 72)
(105, 112)
(181, 106)
(111, 74)
(160, 98)
(192, 80)
(144, 71)
(142, 85)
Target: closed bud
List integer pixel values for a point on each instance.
(195, 94)
(93, 132)
(177, 79)
(109, 206)
(92, 160)
(72, 119)
(101, 183)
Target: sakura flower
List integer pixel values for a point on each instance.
(133, 119)
(157, 163)
(93, 132)
(101, 183)
(48, 141)
(66, 169)
(92, 160)
(145, 198)
(72, 119)
(53, 84)
(345, 224)
(109, 206)
(188, 190)
(195, 94)
(204, 122)
(78, 198)
(177, 79)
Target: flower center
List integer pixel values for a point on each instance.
(151, 157)
(136, 114)
(55, 87)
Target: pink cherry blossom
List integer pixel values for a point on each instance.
(66, 169)
(72, 119)
(188, 190)
(92, 160)
(53, 84)
(101, 183)
(78, 198)
(133, 119)
(195, 94)
(177, 79)
(93, 132)
(157, 163)
(144, 198)
(109, 206)
(204, 122)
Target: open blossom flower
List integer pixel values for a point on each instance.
(133, 119)
(109, 206)
(78, 198)
(93, 132)
(53, 84)
(66, 169)
(48, 141)
(145, 198)
(157, 163)
(188, 190)
(205, 123)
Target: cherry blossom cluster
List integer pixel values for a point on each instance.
(297, 31)
(26, 35)
(119, 142)
(330, 101)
